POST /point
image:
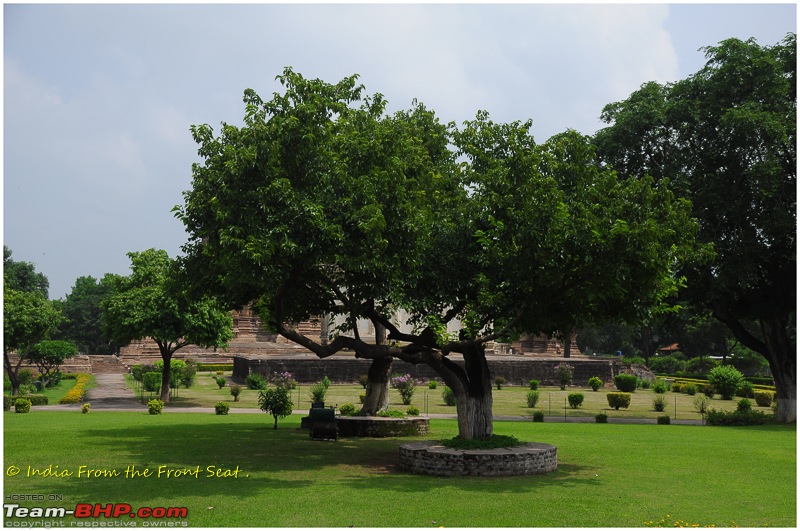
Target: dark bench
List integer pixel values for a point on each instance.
(323, 423)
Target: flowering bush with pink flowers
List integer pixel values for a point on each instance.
(406, 386)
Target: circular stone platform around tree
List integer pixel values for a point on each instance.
(431, 458)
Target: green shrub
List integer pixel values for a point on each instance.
(700, 366)
(318, 392)
(85, 407)
(532, 397)
(256, 382)
(644, 384)
(633, 360)
(678, 387)
(432, 384)
(533, 385)
(22, 405)
(764, 398)
(6, 402)
(35, 400)
(348, 410)
(708, 390)
(206, 367)
(595, 383)
(745, 390)
(188, 375)
(326, 381)
(220, 381)
(155, 406)
(659, 403)
(564, 373)
(449, 397)
(663, 419)
(25, 376)
(412, 411)
(151, 382)
(575, 400)
(391, 413)
(700, 403)
(405, 385)
(690, 389)
(660, 387)
(361, 398)
(538, 416)
(618, 400)
(363, 380)
(626, 383)
(221, 408)
(737, 418)
(499, 382)
(667, 365)
(601, 418)
(726, 380)
(490, 443)
(219, 373)
(236, 390)
(744, 405)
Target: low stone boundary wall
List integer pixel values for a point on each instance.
(347, 369)
(431, 458)
(382, 426)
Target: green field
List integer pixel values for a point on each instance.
(509, 401)
(609, 475)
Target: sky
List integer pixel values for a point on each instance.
(98, 99)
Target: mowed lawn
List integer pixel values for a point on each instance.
(609, 475)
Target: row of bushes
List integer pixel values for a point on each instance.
(182, 373)
(75, 394)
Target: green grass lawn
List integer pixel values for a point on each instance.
(609, 475)
(509, 401)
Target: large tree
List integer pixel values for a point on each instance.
(153, 302)
(726, 137)
(48, 355)
(22, 276)
(323, 204)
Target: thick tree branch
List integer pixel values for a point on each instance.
(739, 331)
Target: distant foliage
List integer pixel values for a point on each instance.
(235, 390)
(255, 381)
(626, 383)
(499, 382)
(564, 373)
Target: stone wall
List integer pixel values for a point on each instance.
(431, 458)
(347, 369)
(382, 426)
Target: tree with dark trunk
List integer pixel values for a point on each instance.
(153, 303)
(726, 138)
(322, 204)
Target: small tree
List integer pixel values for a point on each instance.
(153, 302)
(405, 385)
(726, 380)
(48, 356)
(564, 373)
(276, 402)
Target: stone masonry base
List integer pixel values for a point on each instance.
(431, 458)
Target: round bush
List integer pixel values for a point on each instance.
(221, 408)
(534, 385)
(690, 389)
(601, 418)
(256, 382)
(663, 419)
(618, 400)
(155, 406)
(538, 416)
(726, 380)
(764, 398)
(660, 387)
(22, 405)
(595, 383)
(412, 411)
(532, 397)
(220, 381)
(626, 383)
(744, 405)
(745, 390)
(701, 365)
(347, 410)
(660, 403)
(432, 384)
(449, 397)
(575, 400)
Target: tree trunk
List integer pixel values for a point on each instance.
(166, 355)
(12, 372)
(474, 396)
(275, 427)
(567, 342)
(377, 396)
(782, 361)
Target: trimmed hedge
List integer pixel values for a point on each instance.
(737, 418)
(626, 383)
(214, 367)
(35, 400)
(764, 398)
(618, 400)
(75, 394)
